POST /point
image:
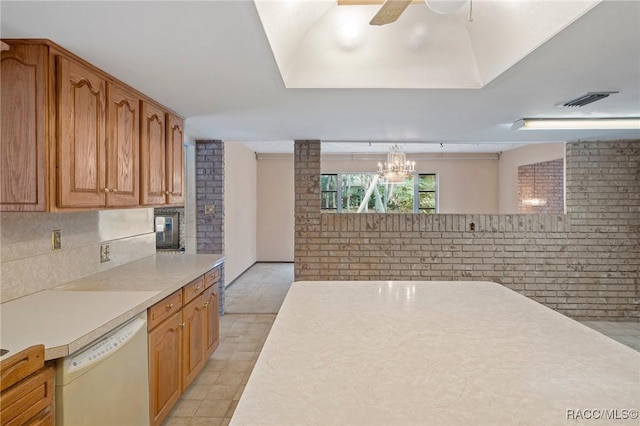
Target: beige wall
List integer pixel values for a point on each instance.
(240, 207)
(466, 183)
(508, 170)
(190, 198)
(28, 265)
(275, 236)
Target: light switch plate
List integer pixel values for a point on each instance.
(209, 210)
(105, 253)
(56, 239)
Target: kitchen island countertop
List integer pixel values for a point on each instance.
(70, 316)
(439, 353)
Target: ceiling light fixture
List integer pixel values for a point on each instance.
(617, 123)
(396, 169)
(445, 7)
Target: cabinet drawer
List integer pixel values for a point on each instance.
(20, 365)
(27, 398)
(193, 289)
(213, 276)
(164, 309)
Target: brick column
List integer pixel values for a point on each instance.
(307, 209)
(210, 191)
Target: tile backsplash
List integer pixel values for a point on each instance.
(28, 264)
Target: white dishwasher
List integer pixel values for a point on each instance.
(108, 382)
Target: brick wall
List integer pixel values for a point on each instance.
(210, 190)
(584, 264)
(542, 181)
(307, 238)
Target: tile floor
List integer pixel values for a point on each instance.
(256, 297)
(251, 305)
(261, 289)
(214, 394)
(627, 333)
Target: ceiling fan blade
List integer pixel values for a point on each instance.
(390, 12)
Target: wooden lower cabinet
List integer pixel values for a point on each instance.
(165, 378)
(181, 340)
(193, 351)
(212, 322)
(44, 418)
(27, 389)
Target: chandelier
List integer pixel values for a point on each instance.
(396, 169)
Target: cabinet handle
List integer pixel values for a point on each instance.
(206, 304)
(197, 288)
(166, 192)
(106, 190)
(183, 324)
(169, 306)
(114, 190)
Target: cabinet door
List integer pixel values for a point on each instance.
(164, 367)
(152, 155)
(123, 161)
(27, 398)
(23, 131)
(192, 340)
(44, 418)
(175, 153)
(212, 320)
(81, 136)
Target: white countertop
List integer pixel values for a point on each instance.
(437, 353)
(72, 315)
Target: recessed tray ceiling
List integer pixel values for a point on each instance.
(318, 44)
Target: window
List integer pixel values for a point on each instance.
(365, 193)
(329, 192)
(427, 199)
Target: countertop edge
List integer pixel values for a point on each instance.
(87, 339)
(60, 351)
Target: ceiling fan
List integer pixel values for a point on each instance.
(392, 9)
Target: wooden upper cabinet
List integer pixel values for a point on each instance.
(175, 160)
(23, 138)
(82, 143)
(75, 138)
(123, 158)
(153, 155)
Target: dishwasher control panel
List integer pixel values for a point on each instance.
(105, 346)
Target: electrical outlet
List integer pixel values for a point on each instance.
(56, 239)
(105, 253)
(209, 210)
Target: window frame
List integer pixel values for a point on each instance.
(416, 192)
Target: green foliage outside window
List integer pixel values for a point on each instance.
(380, 196)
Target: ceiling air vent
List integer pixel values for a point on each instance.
(585, 99)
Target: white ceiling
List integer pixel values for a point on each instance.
(318, 44)
(211, 62)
